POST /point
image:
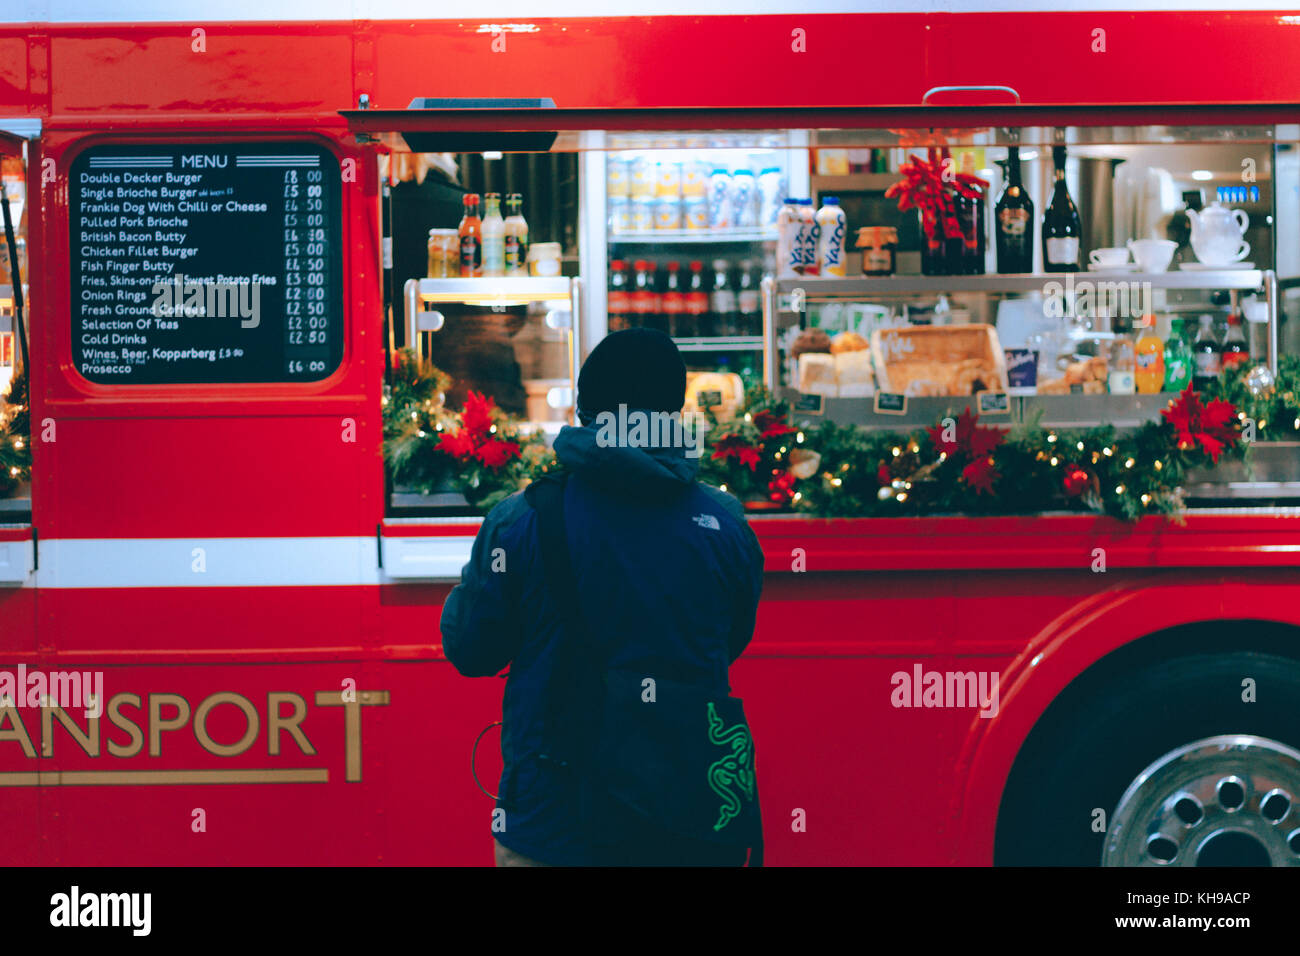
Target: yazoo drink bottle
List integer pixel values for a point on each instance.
(830, 243)
(789, 256)
(808, 235)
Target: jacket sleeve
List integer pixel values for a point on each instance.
(480, 626)
(748, 588)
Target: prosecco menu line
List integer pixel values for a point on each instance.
(206, 263)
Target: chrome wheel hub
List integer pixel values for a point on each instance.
(1221, 801)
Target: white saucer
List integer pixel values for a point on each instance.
(1207, 267)
(1122, 267)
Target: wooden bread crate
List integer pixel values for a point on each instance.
(926, 360)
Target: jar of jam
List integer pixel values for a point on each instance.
(879, 246)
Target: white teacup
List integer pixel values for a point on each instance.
(1152, 255)
(1108, 258)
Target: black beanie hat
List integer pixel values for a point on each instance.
(639, 368)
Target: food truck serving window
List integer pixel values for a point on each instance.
(213, 262)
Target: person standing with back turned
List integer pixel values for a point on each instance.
(618, 593)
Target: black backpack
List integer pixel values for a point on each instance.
(683, 763)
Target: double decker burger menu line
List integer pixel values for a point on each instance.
(206, 262)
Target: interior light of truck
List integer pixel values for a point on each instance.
(431, 321)
(559, 319)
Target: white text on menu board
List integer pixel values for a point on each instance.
(137, 216)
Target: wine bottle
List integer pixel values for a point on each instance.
(970, 216)
(1061, 226)
(1015, 221)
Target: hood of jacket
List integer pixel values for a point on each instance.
(589, 451)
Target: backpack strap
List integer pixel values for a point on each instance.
(569, 711)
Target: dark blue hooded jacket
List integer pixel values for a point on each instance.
(668, 573)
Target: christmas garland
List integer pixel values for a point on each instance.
(480, 451)
(15, 436)
(958, 466)
(758, 456)
(1271, 408)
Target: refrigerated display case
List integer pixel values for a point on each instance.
(704, 200)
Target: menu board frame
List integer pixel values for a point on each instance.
(266, 377)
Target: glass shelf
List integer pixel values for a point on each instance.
(691, 236)
(861, 286)
(720, 343)
(502, 290)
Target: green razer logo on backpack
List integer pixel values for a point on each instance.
(731, 770)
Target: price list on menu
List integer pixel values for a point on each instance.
(206, 262)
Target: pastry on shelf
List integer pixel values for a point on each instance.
(854, 373)
(817, 374)
(811, 340)
(848, 342)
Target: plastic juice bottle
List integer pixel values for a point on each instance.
(471, 238)
(673, 302)
(516, 236)
(1178, 358)
(1205, 352)
(809, 233)
(1120, 381)
(696, 312)
(494, 238)
(1234, 350)
(619, 300)
(1149, 358)
(830, 241)
(789, 254)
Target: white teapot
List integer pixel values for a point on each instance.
(1217, 234)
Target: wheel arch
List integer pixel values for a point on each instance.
(1115, 631)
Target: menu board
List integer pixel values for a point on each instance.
(206, 262)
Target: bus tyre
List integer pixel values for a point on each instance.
(1193, 761)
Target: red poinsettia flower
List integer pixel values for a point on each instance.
(883, 476)
(458, 444)
(770, 425)
(495, 452)
(980, 475)
(735, 446)
(970, 438)
(1211, 426)
(478, 413)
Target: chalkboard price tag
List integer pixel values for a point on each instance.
(994, 403)
(1076, 388)
(891, 403)
(205, 262)
(810, 404)
(708, 399)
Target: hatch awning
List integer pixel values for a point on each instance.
(460, 125)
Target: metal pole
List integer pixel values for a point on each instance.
(1271, 299)
(411, 298)
(575, 343)
(770, 354)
